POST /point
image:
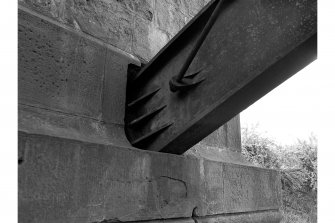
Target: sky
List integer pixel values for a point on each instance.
(290, 111)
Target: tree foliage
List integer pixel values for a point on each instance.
(259, 150)
(298, 167)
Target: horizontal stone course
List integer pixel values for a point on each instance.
(63, 71)
(62, 180)
(42, 121)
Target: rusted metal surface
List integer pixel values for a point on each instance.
(250, 48)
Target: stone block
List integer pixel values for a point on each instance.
(226, 137)
(47, 122)
(62, 180)
(249, 188)
(115, 82)
(142, 8)
(140, 39)
(113, 21)
(169, 18)
(188, 7)
(217, 154)
(147, 39)
(47, 63)
(51, 8)
(70, 73)
(234, 134)
(105, 20)
(59, 70)
(109, 21)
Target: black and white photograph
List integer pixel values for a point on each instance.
(168, 111)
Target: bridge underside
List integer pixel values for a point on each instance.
(77, 165)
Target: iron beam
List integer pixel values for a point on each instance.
(239, 51)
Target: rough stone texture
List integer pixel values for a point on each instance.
(217, 154)
(63, 180)
(147, 40)
(227, 136)
(141, 27)
(188, 7)
(46, 122)
(70, 85)
(169, 17)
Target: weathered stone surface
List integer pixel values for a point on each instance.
(63, 180)
(57, 69)
(142, 8)
(233, 132)
(51, 8)
(110, 21)
(64, 71)
(218, 154)
(47, 122)
(107, 21)
(115, 82)
(117, 22)
(228, 136)
(188, 7)
(169, 18)
(148, 39)
(70, 85)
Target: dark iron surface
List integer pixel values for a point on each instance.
(250, 48)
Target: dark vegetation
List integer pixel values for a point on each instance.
(298, 167)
